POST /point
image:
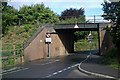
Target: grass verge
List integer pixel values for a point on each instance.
(111, 58)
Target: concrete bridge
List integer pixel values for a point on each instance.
(62, 36)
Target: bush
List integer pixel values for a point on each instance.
(111, 58)
(111, 53)
(27, 27)
(83, 45)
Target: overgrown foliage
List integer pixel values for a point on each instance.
(21, 34)
(110, 58)
(72, 16)
(80, 35)
(84, 34)
(84, 45)
(37, 13)
(34, 14)
(9, 16)
(112, 12)
(72, 13)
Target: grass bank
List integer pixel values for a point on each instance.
(84, 45)
(111, 58)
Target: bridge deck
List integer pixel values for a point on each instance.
(81, 26)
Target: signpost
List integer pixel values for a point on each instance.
(48, 40)
(90, 37)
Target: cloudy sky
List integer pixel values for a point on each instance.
(91, 7)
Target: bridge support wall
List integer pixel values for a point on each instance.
(38, 49)
(67, 38)
(105, 41)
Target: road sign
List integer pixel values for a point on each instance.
(48, 40)
(90, 37)
(48, 35)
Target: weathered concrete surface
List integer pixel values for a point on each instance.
(38, 49)
(105, 41)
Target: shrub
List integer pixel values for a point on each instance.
(111, 53)
(84, 45)
(27, 27)
(111, 58)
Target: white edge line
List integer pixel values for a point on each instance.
(9, 69)
(101, 75)
(14, 71)
(96, 74)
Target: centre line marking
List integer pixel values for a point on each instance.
(60, 71)
(55, 73)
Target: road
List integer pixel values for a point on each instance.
(60, 67)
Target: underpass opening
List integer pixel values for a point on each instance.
(66, 33)
(82, 44)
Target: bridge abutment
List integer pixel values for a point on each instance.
(62, 41)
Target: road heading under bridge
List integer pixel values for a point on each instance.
(62, 36)
(67, 30)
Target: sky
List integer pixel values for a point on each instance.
(91, 7)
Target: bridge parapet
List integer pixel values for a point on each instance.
(72, 26)
(80, 25)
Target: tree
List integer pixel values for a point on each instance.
(80, 35)
(37, 13)
(9, 16)
(32, 14)
(69, 13)
(44, 14)
(72, 15)
(25, 15)
(112, 13)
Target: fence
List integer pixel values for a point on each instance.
(11, 54)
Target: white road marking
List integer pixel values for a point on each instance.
(57, 60)
(14, 71)
(46, 63)
(55, 73)
(50, 62)
(60, 71)
(10, 69)
(72, 66)
(68, 67)
(65, 69)
(100, 75)
(48, 76)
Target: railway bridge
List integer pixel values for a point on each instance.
(62, 40)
